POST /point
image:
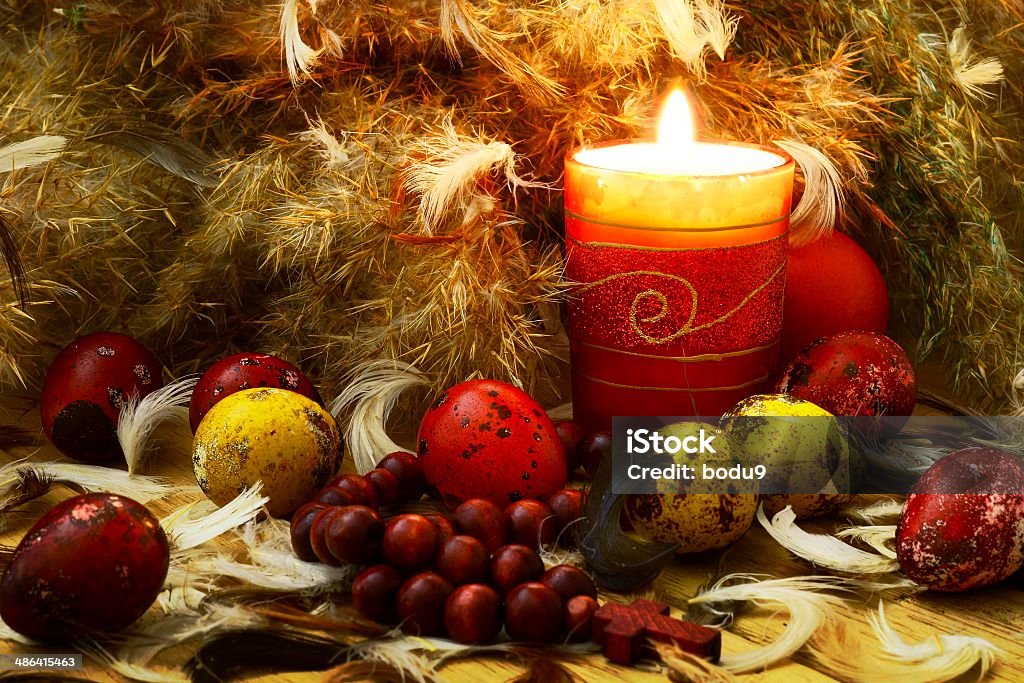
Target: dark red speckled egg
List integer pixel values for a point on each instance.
(853, 373)
(92, 564)
(487, 439)
(962, 526)
(246, 371)
(85, 388)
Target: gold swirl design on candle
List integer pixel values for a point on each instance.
(688, 327)
(683, 359)
(687, 389)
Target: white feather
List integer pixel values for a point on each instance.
(693, 26)
(138, 418)
(298, 56)
(91, 478)
(941, 657)
(185, 531)
(821, 549)
(801, 596)
(272, 564)
(880, 510)
(823, 203)
(879, 537)
(129, 669)
(562, 412)
(374, 388)
(445, 169)
(38, 150)
(971, 73)
(719, 26)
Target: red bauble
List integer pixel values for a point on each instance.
(853, 373)
(488, 439)
(832, 285)
(246, 371)
(85, 388)
(962, 526)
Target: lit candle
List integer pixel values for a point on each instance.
(677, 254)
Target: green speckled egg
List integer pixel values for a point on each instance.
(279, 437)
(696, 521)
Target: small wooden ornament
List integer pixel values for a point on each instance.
(624, 632)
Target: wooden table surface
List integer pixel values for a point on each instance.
(996, 613)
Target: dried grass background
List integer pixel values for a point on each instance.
(398, 196)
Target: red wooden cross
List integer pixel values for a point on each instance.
(624, 631)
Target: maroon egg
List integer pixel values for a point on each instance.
(512, 565)
(962, 526)
(533, 613)
(579, 618)
(472, 614)
(421, 602)
(362, 491)
(353, 535)
(85, 388)
(302, 520)
(410, 542)
(444, 526)
(412, 484)
(531, 523)
(462, 559)
(246, 371)
(569, 581)
(386, 485)
(853, 373)
(92, 564)
(571, 434)
(334, 496)
(375, 593)
(483, 520)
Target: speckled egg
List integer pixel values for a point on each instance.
(85, 388)
(276, 436)
(696, 521)
(245, 371)
(488, 439)
(853, 373)
(91, 564)
(807, 455)
(962, 526)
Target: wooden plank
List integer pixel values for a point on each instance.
(996, 613)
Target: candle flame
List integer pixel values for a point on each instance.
(675, 127)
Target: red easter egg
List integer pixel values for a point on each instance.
(488, 439)
(962, 526)
(853, 373)
(85, 388)
(91, 564)
(246, 371)
(832, 285)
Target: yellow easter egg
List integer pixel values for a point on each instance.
(276, 436)
(810, 458)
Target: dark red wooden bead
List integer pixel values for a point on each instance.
(375, 593)
(567, 505)
(406, 467)
(302, 519)
(579, 618)
(483, 520)
(593, 451)
(462, 559)
(353, 535)
(421, 602)
(410, 542)
(512, 565)
(362, 491)
(472, 614)
(571, 434)
(531, 523)
(318, 535)
(334, 496)
(444, 526)
(569, 581)
(533, 613)
(386, 484)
